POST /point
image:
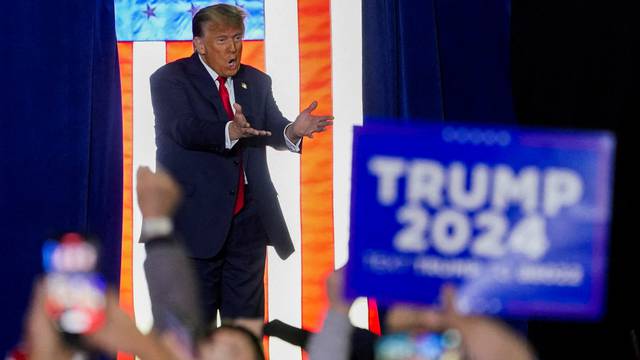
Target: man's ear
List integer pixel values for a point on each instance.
(198, 44)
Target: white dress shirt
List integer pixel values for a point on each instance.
(232, 99)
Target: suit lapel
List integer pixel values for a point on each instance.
(241, 92)
(207, 87)
(242, 97)
(205, 84)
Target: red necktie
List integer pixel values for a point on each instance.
(224, 96)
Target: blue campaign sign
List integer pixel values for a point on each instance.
(517, 219)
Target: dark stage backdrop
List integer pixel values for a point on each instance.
(574, 65)
(550, 63)
(60, 140)
(437, 60)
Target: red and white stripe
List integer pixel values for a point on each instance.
(312, 50)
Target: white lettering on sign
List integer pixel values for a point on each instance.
(562, 188)
(454, 191)
(411, 237)
(476, 196)
(386, 263)
(451, 232)
(387, 170)
(425, 182)
(456, 268)
(493, 227)
(542, 273)
(510, 188)
(570, 274)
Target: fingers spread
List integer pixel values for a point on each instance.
(311, 107)
(248, 132)
(241, 121)
(322, 118)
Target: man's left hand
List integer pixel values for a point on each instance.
(307, 124)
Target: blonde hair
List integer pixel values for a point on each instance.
(219, 14)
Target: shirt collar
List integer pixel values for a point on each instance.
(213, 73)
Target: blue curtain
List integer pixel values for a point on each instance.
(61, 140)
(437, 60)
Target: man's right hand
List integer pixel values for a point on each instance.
(240, 128)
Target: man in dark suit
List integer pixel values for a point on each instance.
(214, 118)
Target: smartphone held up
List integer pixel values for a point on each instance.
(75, 291)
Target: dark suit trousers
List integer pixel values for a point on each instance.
(233, 280)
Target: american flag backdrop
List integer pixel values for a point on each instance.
(313, 51)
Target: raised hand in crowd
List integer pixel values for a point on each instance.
(158, 193)
(118, 333)
(483, 338)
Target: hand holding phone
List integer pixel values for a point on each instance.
(425, 346)
(75, 292)
(481, 337)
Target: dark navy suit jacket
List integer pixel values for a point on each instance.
(190, 136)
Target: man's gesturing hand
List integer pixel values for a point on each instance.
(240, 127)
(307, 124)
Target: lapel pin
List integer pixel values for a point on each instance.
(244, 85)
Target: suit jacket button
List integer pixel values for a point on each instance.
(236, 162)
(232, 192)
